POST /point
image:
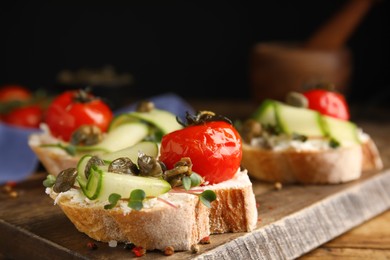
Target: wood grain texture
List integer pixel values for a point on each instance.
(368, 241)
(293, 221)
(305, 229)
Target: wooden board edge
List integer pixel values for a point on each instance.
(305, 230)
(17, 243)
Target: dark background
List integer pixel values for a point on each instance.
(198, 50)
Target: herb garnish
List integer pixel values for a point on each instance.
(136, 198)
(113, 200)
(333, 143)
(49, 181)
(207, 197)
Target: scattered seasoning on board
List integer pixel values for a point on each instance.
(205, 240)
(278, 186)
(194, 248)
(9, 190)
(112, 243)
(92, 245)
(11, 184)
(138, 251)
(169, 250)
(129, 246)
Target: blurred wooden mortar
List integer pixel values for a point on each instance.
(279, 67)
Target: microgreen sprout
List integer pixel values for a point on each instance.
(69, 149)
(186, 182)
(113, 200)
(207, 197)
(137, 196)
(49, 181)
(333, 143)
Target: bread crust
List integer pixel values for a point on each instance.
(330, 166)
(155, 228)
(163, 225)
(53, 159)
(307, 167)
(234, 210)
(371, 158)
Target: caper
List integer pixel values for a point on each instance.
(93, 161)
(123, 165)
(251, 129)
(86, 135)
(181, 168)
(65, 180)
(299, 137)
(149, 166)
(202, 117)
(145, 106)
(184, 161)
(176, 181)
(296, 99)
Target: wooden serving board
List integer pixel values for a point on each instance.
(292, 221)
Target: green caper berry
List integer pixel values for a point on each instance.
(297, 100)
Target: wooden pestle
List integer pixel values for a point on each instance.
(335, 32)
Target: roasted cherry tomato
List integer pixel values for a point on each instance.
(215, 149)
(29, 116)
(72, 109)
(14, 92)
(328, 103)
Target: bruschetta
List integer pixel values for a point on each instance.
(158, 195)
(289, 143)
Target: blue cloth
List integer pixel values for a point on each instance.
(18, 161)
(170, 102)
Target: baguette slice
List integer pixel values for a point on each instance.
(330, 166)
(159, 224)
(371, 158)
(53, 159)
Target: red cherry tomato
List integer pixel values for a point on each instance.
(71, 109)
(215, 149)
(29, 116)
(14, 92)
(328, 103)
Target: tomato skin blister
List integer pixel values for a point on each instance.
(328, 103)
(215, 149)
(65, 114)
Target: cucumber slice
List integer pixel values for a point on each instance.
(165, 121)
(124, 184)
(121, 119)
(302, 121)
(119, 138)
(306, 122)
(101, 183)
(345, 132)
(266, 113)
(94, 184)
(148, 148)
(81, 165)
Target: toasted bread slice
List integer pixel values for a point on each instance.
(53, 159)
(160, 224)
(156, 227)
(371, 157)
(328, 166)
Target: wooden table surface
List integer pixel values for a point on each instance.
(281, 213)
(370, 240)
